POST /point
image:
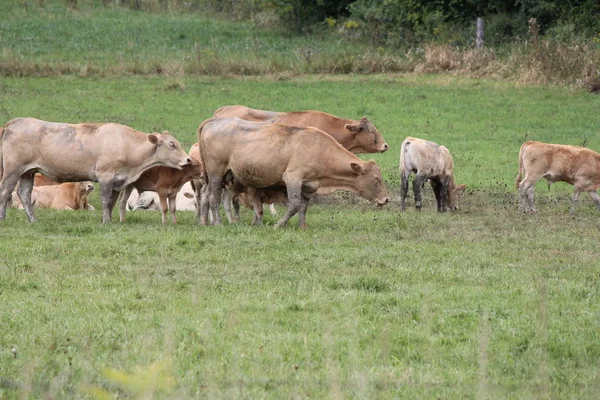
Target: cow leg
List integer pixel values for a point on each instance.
(294, 190)
(574, 201)
(24, 192)
(596, 198)
(7, 185)
(163, 207)
(215, 188)
(236, 208)
(202, 204)
(302, 212)
(417, 185)
(526, 189)
(173, 207)
(404, 190)
(258, 213)
(124, 198)
(227, 201)
(272, 209)
(437, 191)
(108, 197)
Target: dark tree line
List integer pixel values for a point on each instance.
(413, 21)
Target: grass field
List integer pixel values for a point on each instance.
(367, 303)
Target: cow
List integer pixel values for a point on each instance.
(64, 196)
(306, 161)
(185, 200)
(166, 182)
(356, 136)
(429, 161)
(575, 165)
(112, 154)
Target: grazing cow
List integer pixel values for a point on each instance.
(64, 196)
(112, 154)
(166, 182)
(356, 136)
(429, 160)
(575, 165)
(305, 161)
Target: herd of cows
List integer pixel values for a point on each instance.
(245, 156)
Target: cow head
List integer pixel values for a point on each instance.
(168, 150)
(369, 182)
(88, 186)
(194, 169)
(368, 137)
(454, 194)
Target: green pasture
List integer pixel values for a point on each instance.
(367, 303)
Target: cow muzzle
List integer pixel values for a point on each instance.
(383, 201)
(188, 161)
(384, 148)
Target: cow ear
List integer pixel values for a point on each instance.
(353, 128)
(460, 188)
(153, 138)
(356, 168)
(166, 133)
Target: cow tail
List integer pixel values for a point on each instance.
(520, 172)
(1, 158)
(403, 149)
(204, 179)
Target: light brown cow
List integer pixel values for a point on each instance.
(64, 196)
(112, 154)
(556, 162)
(166, 182)
(428, 160)
(305, 161)
(356, 136)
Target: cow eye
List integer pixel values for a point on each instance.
(171, 144)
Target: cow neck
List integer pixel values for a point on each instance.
(338, 131)
(341, 176)
(144, 156)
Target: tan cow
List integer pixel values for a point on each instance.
(305, 161)
(575, 165)
(64, 196)
(166, 182)
(429, 161)
(112, 154)
(356, 136)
